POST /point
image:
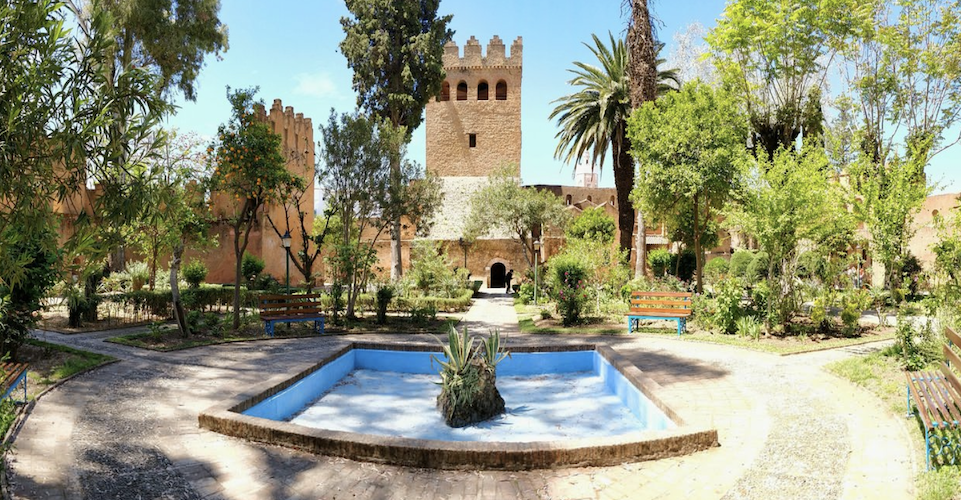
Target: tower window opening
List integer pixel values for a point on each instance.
(445, 91)
(590, 198)
(462, 91)
(472, 140)
(568, 199)
(501, 91)
(482, 91)
(613, 204)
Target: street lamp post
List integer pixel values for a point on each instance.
(460, 241)
(285, 241)
(537, 256)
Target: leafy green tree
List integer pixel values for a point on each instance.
(430, 266)
(159, 227)
(595, 118)
(790, 204)
(169, 37)
(592, 224)
(890, 197)
(688, 155)
(902, 75)
(395, 50)
(250, 168)
(358, 182)
(775, 57)
(504, 205)
(165, 39)
(58, 135)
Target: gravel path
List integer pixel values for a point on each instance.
(129, 430)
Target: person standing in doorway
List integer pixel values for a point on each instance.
(508, 278)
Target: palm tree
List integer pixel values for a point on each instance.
(595, 118)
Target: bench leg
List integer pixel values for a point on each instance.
(269, 327)
(909, 414)
(927, 449)
(680, 322)
(319, 326)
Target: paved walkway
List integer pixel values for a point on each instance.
(129, 430)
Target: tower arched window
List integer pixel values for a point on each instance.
(462, 91)
(445, 91)
(482, 91)
(569, 199)
(501, 91)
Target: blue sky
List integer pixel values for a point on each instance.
(290, 49)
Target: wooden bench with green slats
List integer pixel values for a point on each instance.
(290, 309)
(937, 396)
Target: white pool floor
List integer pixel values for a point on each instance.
(539, 408)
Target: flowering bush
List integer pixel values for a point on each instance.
(568, 286)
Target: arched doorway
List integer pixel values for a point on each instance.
(498, 275)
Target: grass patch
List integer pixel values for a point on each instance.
(167, 337)
(51, 363)
(778, 345)
(883, 376)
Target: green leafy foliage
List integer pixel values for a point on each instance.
(195, 272)
(593, 224)
(688, 146)
(716, 269)
(727, 295)
(430, 267)
(916, 347)
(757, 270)
(567, 280)
(660, 261)
(20, 300)
(789, 205)
(251, 266)
(504, 206)
(385, 293)
(469, 366)
(749, 326)
(739, 262)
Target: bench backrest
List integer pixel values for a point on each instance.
(670, 302)
(10, 372)
(290, 305)
(951, 358)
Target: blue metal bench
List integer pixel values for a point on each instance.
(673, 306)
(14, 375)
(291, 309)
(937, 396)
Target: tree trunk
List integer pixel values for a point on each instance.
(396, 259)
(153, 269)
(177, 305)
(238, 255)
(640, 264)
(698, 251)
(643, 58)
(623, 185)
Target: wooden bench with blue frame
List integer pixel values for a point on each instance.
(291, 309)
(673, 306)
(937, 396)
(14, 375)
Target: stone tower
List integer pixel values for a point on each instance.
(474, 125)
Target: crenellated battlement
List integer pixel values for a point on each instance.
(474, 57)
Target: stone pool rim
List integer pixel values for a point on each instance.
(227, 418)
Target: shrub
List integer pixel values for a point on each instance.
(716, 269)
(739, 262)
(526, 293)
(728, 295)
(195, 272)
(385, 293)
(915, 347)
(421, 314)
(911, 273)
(264, 281)
(468, 378)
(757, 269)
(684, 264)
(660, 261)
(819, 310)
(251, 266)
(749, 326)
(851, 306)
(430, 268)
(139, 274)
(567, 277)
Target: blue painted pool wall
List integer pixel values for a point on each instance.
(286, 403)
(642, 407)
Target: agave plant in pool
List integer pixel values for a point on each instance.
(468, 378)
